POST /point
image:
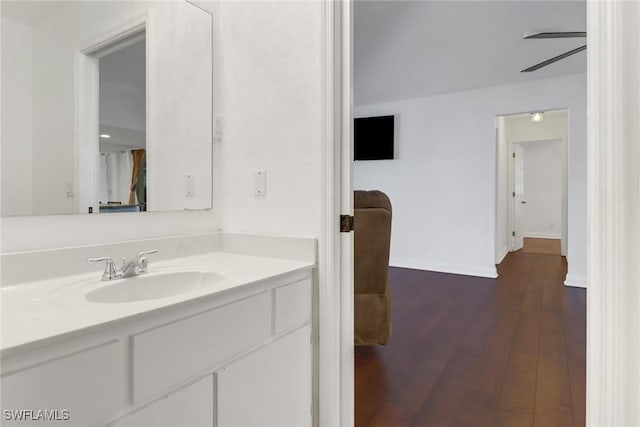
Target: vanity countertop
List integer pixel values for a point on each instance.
(38, 313)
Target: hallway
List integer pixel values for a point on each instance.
(474, 352)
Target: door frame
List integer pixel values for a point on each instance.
(335, 402)
(613, 212)
(613, 209)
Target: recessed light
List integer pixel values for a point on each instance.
(105, 135)
(537, 117)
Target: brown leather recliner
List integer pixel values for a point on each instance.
(372, 235)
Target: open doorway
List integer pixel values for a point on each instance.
(531, 180)
(469, 341)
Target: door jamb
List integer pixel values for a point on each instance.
(335, 270)
(613, 212)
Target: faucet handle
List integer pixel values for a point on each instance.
(142, 260)
(109, 268)
(143, 253)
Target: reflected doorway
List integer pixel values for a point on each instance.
(122, 127)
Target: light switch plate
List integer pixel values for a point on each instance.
(217, 126)
(260, 180)
(69, 188)
(189, 185)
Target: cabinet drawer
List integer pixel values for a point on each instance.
(167, 355)
(292, 305)
(88, 384)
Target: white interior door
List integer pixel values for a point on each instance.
(346, 208)
(519, 203)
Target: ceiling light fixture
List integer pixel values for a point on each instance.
(537, 117)
(105, 135)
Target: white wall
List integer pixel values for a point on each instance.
(443, 183)
(179, 116)
(53, 113)
(542, 216)
(16, 119)
(272, 107)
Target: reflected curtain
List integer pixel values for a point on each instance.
(115, 177)
(137, 156)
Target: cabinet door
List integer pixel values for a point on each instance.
(271, 387)
(191, 406)
(82, 389)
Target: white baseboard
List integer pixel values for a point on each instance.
(466, 270)
(536, 235)
(503, 253)
(575, 281)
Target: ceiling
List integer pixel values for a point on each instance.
(123, 88)
(411, 49)
(125, 67)
(121, 138)
(30, 12)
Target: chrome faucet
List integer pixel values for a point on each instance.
(133, 267)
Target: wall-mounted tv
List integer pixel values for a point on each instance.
(373, 138)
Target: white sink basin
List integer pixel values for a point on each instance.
(139, 288)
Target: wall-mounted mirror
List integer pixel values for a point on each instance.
(106, 107)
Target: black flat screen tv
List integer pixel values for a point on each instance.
(373, 138)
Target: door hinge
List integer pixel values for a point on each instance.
(514, 155)
(513, 233)
(346, 223)
(513, 194)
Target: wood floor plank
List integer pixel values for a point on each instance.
(542, 246)
(554, 405)
(478, 352)
(444, 402)
(575, 329)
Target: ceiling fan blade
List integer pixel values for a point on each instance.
(557, 35)
(554, 59)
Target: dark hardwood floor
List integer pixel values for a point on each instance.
(473, 352)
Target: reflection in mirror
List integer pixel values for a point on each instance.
(122, 94)
(138, 71)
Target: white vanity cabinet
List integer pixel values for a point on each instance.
(241, 358)
(262, 388)
(88, 383)
(192, 405)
